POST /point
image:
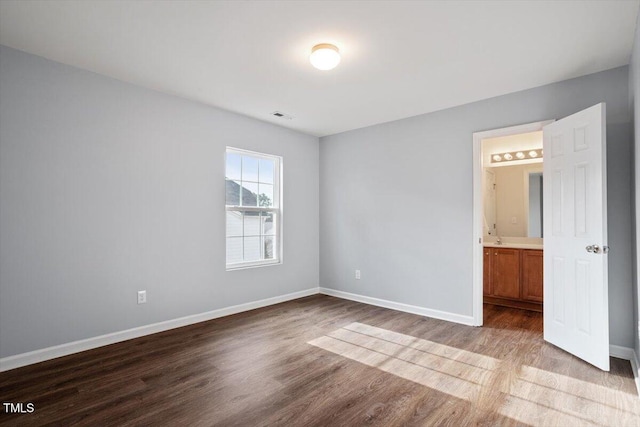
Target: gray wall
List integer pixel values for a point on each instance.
(107, 188)
(634, 95)
(396, 198)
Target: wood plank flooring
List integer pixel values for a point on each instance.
(324, 361)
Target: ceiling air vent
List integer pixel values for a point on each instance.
(281, 115)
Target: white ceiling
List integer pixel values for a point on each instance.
(399, 59)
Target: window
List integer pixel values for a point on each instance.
(253, 209)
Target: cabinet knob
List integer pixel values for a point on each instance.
(496, 253)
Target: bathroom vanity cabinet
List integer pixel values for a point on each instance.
(513, 277)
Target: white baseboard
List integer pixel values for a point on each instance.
(413, 309)
(48, 353)
(620, 352)
(635, 364)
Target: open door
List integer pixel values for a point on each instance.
(576, 307)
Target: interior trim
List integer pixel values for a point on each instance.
(477, 238)
(413, 309)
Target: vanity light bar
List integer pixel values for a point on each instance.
(516, 155)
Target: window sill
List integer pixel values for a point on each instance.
(246, 265)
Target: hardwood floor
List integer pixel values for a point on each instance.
(322, 361)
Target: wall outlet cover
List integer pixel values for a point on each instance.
(142, 297)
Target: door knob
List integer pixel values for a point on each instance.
(593, 249)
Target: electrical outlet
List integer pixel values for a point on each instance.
(142, 297)
(358, 274)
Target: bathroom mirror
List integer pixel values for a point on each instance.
(513, 201)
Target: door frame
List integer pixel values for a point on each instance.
(477, 299)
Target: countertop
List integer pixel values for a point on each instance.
(507, 245)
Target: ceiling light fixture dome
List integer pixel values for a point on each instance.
(324, 56)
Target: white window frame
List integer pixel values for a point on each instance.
(276, 209)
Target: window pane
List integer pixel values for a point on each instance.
(252, 248)
(251, 183)
(268, 226)
(234, 224)
(265, 197)
(233, 166)
(269, 247)
(249, 169)
(249, 194)
(233, 193)
(252, 223)
(266, 171)
(234, 249)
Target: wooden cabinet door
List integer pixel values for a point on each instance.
(532, 268)
(486, 276)
(506, 273)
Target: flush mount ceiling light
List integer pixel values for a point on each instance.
(324, 56)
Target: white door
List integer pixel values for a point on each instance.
(576, 306)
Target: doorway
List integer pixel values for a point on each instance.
(574, 212)
(492, 224)
(512, 221)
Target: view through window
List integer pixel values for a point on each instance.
(253, 208)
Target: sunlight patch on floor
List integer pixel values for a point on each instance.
(453, 371)
(534, 396)
(445, 351)
(560, 399)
